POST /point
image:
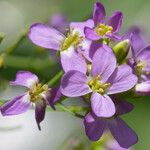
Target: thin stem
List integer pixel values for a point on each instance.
(10, 49)
(56, 78)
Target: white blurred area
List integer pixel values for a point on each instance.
(21, 132)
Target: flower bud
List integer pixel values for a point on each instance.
(121, 50)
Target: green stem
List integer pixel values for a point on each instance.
(10, 49)
(56, 78)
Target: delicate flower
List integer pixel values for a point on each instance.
(37, 94)
(101, 30)
(95, 126)
(48, 37)
(59, 22)
(140, 62)
(104, 78)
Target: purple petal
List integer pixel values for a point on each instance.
(59, 22)
(25, 78)
(114, 37)
(16, 106)
(54, 96)
(115, 21)
(91, 34)
(143, 88)
(91, 51)
(122, 80)
(123, 107)
(45, 36)
(102, 106)
(137, 43)
(99, 13)
(124, 135)
(104, 63)
(113, 145)
(74, 84)
(72, 60)
(40, 107)
(144, 55)
(79, 26)
(94, 128)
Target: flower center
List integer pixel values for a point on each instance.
(139, 67)
(96, 85)
(36, 92)
(72, 39)
(102, 29)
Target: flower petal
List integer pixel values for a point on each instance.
(143, 88)
(91, 34)
(102, 106)
(144, 55)
(79, 26)
(16, 106)
(25, 78)
(74, 84)
(94, 128)
(113, 145)
(115, 21)
(72, 60)
(122, 80)
(40, 108)
(137, 42)
(59, 22)
(104, 63)
(123, 107)
(124, 135)
(54, 96)
(45, 36)
(99, 13)
(91, 51)
(114, 37)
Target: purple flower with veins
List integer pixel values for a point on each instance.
(102, 30)
(103, 79)
(124, 135)
(37, 94)
(68, 46)
(140, 62)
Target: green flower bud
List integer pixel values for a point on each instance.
(121, 50)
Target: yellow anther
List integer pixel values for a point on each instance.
(72, 39)
(36, 91)
(139, 67)
(96, 85)
(102, 29)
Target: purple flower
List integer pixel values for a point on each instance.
(140, 62)
(103, 79)
(95, 126)
(37, 94)
(59, 22)
(69, 45)
(102, 30)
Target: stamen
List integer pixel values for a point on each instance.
(36, 91)
(102, 29)
(72, 39)
(96, 85)
(139, 67)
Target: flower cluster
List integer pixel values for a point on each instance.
(99, 66)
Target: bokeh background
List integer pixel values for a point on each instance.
(16, 16)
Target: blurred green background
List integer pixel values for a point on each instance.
(16, 16)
